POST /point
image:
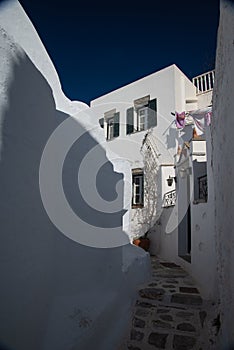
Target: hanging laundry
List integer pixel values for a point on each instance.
(180, 120)
(202, 118)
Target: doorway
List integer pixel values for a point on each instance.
(184, 215)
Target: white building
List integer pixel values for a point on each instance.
(168, 166)
(137, 118)
(185, 231)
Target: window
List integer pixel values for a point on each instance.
(200, 182)
(111, 124)
(142, 118)
(152, 113)
(137, 188)
(130, 120)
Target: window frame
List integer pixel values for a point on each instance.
(145, 116)
(200, 182)
(202, 188)
(110, 123)
(149, 106)
(137, 188)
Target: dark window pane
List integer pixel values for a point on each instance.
(116, 124)
(152, 116)
(130, 120)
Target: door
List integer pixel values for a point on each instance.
(184, 215)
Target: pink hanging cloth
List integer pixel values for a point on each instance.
(180, 120)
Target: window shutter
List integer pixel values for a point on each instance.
(101, 122)
(130, 121)
(152, 117)
(116, 124)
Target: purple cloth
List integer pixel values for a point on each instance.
(180, 120)
(201, 117)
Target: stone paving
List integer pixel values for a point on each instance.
(170, 313)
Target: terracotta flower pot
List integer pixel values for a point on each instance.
(142, 242)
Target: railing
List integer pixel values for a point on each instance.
(169, 199)
(203, 188)
(204, 82)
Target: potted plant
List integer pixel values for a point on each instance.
(143, 242)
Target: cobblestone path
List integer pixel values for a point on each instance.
(169, 313)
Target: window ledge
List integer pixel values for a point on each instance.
(113, 138)
(138, 131)
(137, 206)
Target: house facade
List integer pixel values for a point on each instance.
(185, 231)
(139, 127)
(170, 187)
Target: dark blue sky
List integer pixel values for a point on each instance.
(98, 46)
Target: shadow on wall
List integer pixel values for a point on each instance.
(171, 138)
(187, 136)
(146, 217)
(46, 277)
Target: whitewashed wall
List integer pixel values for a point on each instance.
(203, 238)
(204, 99)
(55, 292)
(166, 172)
(171, 88)
(223, 169)
(165, 235)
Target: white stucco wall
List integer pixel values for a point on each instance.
(185, 92)
(166, 172)
(165, 237)
(55, 292)
(204, 99)
(159, 85)
(223, 169)
(165, 244)
(171, 88)
(203, 237)
(26, 36)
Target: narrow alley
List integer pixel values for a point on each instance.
(170, 313)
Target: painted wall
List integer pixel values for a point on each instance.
(204, 99)
(185, 92)
(169, 244)
(174, 92)
(56, 293)
(159, 85)
(171, 88)
(223, 169)
(203, 249)
(164, 243)
(167, 171)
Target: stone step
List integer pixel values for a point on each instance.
(169, 312)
